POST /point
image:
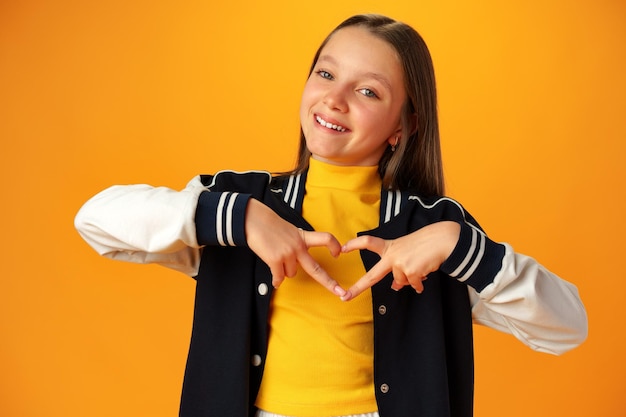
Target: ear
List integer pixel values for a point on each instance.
(393, 141)
(413, 125)
(395, 138)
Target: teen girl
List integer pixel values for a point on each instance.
(297, 316)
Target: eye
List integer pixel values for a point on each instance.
(324, 74)
(368, 93)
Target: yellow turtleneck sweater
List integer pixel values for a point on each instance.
(320, 357)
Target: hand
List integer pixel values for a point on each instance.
(410, 258)
(282, 246)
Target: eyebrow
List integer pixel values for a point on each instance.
(378, 77)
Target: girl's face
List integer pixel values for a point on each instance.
(352, 102)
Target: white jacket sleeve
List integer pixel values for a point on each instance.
(536, 306)
(144, 224)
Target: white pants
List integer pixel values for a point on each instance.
(262, 413)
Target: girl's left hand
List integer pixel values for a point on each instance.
(410, 258)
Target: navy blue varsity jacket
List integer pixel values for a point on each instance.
(423, 350)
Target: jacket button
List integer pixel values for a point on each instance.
(262, 288)
(384, 388)
(256, 360)
(382, 310)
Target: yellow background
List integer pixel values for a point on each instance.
(532, 102)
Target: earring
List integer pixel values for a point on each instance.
(393, 147)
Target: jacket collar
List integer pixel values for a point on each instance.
(291, 190)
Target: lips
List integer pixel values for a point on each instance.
(329, 125)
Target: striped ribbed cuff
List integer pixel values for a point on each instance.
(475, 260)
(220, 218)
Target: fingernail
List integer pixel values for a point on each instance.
(340, 291)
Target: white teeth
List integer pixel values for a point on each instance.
(330, 125)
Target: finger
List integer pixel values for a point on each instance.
(319, 239)
(418, 286)
(278, 275)
(290, 267)
(418, 283)
(370, 278)
(372, 243)
(399, 279)
(315, 271)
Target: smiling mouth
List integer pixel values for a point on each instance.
(329, 125)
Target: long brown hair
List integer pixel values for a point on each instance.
(416, 163)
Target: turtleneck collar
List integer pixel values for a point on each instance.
(362, 179)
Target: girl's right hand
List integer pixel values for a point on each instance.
(282, 246)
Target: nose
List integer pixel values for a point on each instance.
(336, 98)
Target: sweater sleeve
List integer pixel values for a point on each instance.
(515, 294)
(145, 224)
(536, 306)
